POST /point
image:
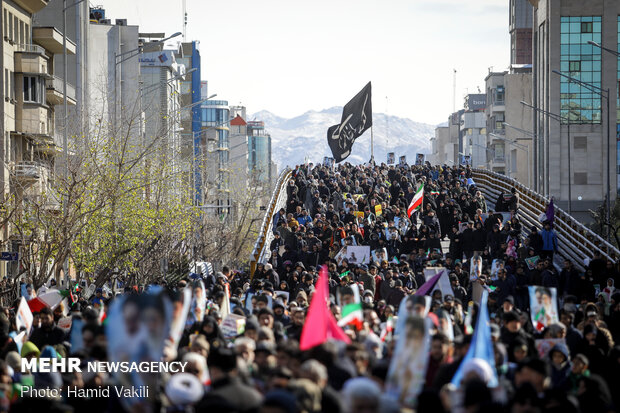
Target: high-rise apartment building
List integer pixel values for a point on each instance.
(520, 28)
(31, 93)
(583, 161)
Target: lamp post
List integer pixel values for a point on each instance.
(487, 150)
(65, 138)
(559, 119)
(532, 162)
(126, 56)
(523, 148)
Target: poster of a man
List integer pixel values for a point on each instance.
(544, 306)
(407, 371)
(391, 158)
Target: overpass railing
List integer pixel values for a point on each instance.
(575, 241)
(260, 253)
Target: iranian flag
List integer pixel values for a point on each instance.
(50, 299)
(352, 313)
(416, 202)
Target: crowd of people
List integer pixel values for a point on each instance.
(553, 344)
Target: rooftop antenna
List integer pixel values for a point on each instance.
(184, 20)
(387, 125)
(454, 91)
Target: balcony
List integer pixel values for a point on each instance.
(28, 171)
(32, 6)
(54, 95)
(29, 48)
(33, 119)
(30, 58)
(51, 39)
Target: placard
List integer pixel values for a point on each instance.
(232, 326)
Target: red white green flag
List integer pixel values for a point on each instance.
(352, 314)
(416, 202)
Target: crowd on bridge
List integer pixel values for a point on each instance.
(369, 301)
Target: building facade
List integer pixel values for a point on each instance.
(31, 94)
(259, 154)
(189, 56)
(520, 28)
(574, 151)
(215, 167)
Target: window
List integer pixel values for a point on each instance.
(15, 29)
(12, 86)
(586, 27)
(11, 26)
(580, 143)
(580, 178)
(499, 95)
(499, 121)
(5, 24)
(574, 66)
(27, 33)
(21, 33)
(582, 61)
(483, 131)
(34, 90)
(6, 83)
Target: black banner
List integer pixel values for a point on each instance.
(356, 118)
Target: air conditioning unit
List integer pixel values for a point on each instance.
(121, 22)
(105, 21)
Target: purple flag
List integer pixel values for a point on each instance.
(428, 286)
(550, 211)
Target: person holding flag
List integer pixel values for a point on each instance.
(416, 203)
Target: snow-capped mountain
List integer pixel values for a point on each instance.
(305, 136)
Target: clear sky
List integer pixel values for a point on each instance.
(290, 56)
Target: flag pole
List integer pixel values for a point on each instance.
(372, 145)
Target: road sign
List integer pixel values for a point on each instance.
(9, 256)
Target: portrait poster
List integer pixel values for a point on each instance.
(407, 370)
(544, 345)
(358, 254)
(137, 328)
(379, 254)
(543, 306)
(391, 158)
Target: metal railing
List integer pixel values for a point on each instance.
(29, 48)
(56, 83)
(575, 241)
(29, 169)
(265, 235)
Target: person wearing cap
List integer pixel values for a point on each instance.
(579, 370)
(512, 334)
(279, 312)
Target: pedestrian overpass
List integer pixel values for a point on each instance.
(576, 242)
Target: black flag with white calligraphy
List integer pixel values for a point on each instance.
(356, 118)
